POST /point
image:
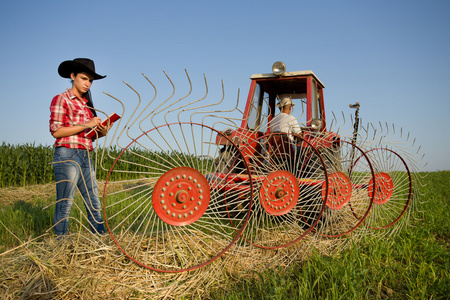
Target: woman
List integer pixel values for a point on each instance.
(71, 116)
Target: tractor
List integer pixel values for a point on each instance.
(199, 187)
(307, 179)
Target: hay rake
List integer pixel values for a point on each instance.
(192, 182)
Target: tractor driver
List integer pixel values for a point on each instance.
(284, 121)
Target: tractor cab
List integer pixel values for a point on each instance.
(306, 91)
(303, 87)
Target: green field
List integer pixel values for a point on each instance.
(27, 164)
(414, 264)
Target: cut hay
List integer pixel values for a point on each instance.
(89, 267)
(86, 266)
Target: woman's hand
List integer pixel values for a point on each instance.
(95, 121)
(102, 130)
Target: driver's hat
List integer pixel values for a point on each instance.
(284, 100)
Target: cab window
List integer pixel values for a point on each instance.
(259, 110)
(316, 104)
(314, 100)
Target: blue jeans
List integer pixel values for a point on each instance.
(73, 169)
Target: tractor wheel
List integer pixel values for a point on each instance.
(350, 176)
(289, 180)
(393, 188)
(226, 161)
(230, 164)
(164, 196)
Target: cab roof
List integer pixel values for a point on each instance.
(288, 74)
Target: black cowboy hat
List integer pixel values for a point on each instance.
(78, 65)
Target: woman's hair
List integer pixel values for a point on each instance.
(88, 97)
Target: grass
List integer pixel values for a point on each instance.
(414, 264)
(24, 219)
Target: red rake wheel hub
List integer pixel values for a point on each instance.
(279, 192)
(181, 196)
(339, 190)
(384, 188)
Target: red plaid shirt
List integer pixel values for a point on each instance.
(66, 110)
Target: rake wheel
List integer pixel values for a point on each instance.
(392, 190)
(164, 198)
(350, 178)
(288, 188)
(279, 192)
(181, 196)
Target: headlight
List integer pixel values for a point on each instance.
(316, 124)
(278, 68)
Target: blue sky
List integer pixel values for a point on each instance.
(391, 56)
